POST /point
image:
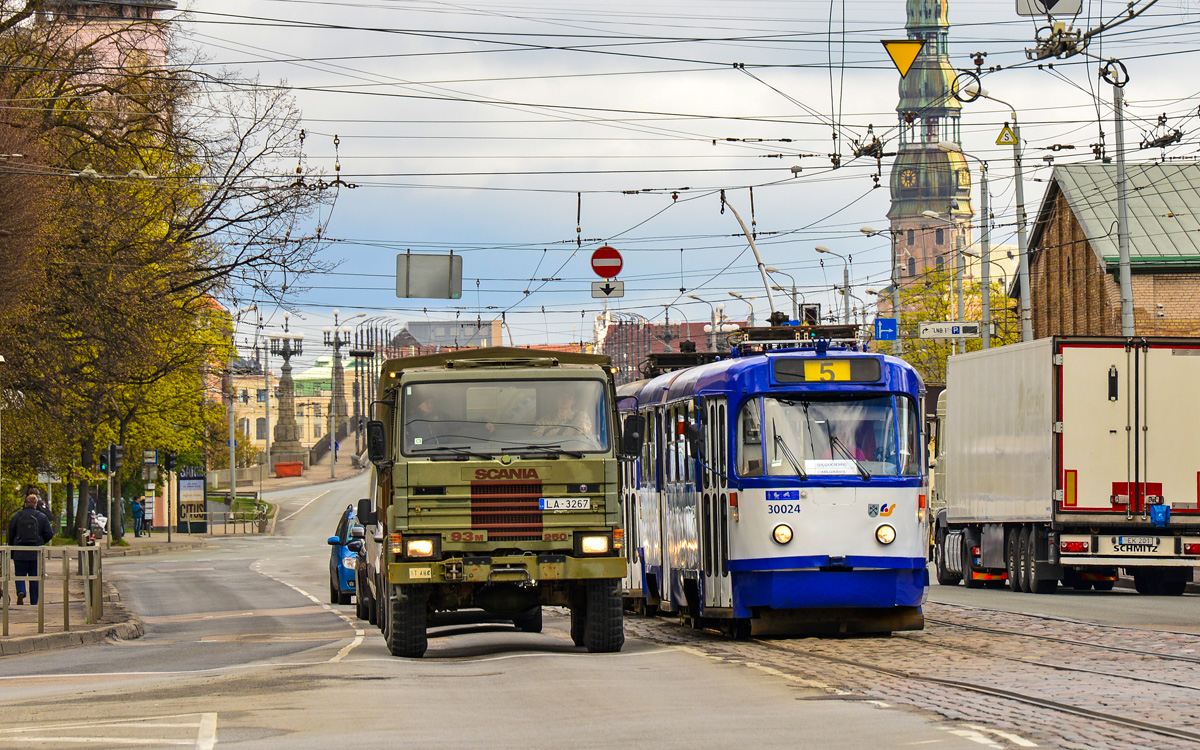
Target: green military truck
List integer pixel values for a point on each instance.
(495, 486)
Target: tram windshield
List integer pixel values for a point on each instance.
(486, 418)
(835, 435)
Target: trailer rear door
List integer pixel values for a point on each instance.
(1130, 425)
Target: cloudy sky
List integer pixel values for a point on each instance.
(525, 134)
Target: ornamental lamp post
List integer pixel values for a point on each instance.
(845, 282)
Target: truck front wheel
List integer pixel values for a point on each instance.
(405, 632)
(604, 618)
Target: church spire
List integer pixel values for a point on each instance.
(924, 177)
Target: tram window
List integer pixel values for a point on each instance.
(721, 437)
(659, 479)
(909, 436)
(750, 448)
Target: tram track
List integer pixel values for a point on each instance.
(1067, 641)
(995, 692)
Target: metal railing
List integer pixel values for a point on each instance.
(240, 521)
(88, 570)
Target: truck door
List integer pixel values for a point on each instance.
(1130, 427)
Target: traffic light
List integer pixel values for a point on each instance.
(102, 463)
(811, 314)
(118, 456)
(168, 461)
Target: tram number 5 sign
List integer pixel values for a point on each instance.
(606, 262)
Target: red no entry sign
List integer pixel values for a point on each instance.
(606, 262)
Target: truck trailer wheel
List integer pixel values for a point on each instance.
(944, 576)
(1024, 568)
(407, 621)
(604, 619)
(1037, 584)
(1012, 559)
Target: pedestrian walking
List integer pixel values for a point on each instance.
(28, 528)
(139, 516)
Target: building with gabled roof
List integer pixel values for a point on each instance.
(1073, 251)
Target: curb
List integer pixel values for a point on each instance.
(127, 630)
(151, 549)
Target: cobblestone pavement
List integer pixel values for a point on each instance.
(964, 653)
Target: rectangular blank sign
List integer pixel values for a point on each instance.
(429, 276)
(1049, 7)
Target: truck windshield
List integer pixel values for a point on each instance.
(510, 416)
(840, 435)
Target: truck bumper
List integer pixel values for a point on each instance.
(1130, 562)
(514, 569)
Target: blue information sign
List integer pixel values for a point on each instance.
(886, 329)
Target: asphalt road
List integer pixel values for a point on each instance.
(243, 650)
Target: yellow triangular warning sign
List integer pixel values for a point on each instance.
(903, 52)
(1007, 137)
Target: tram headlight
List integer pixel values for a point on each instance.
(782, 533)
(885, 534)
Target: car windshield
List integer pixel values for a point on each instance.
(472, 418)
(839, 435)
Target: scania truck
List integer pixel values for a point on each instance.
(494, 487)
(1072, 460)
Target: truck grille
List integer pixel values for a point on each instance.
(508, 512)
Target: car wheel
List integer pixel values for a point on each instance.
(334, 594)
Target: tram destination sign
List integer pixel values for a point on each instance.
(950, 330)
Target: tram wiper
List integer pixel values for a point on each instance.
(553, 449)
(836, 443)
(457, 450)
(781, 443)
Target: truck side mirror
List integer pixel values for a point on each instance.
(367, 515)
(377, 447)
(633, 435)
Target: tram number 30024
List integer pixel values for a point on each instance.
(773, 508)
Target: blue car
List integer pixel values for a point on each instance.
(346, 542)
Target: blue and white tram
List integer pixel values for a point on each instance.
(780, 492)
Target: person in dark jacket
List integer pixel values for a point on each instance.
(28, 528)
(139, 515)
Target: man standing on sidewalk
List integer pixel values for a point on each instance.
(29, 527)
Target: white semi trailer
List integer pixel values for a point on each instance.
(1069, 459)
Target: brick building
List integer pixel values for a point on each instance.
(1073, 253)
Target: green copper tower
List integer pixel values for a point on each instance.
(926, 177)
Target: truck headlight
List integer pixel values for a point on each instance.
(418, 548)
(593, 543)
(885, 534)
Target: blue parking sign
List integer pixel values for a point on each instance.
(886, 329)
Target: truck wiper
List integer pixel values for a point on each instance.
(781, 443)
(457, 450)
(553, 449)
(862, 470)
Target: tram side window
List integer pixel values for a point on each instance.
(721, 438)
(647, 467)
(750, 449)
(907, 420)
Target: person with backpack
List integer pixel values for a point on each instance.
(29, 527)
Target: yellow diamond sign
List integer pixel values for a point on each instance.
(903, 52)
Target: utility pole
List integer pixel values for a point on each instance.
(1118, 79)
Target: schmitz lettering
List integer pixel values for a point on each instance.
(506, 474)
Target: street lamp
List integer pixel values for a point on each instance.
(337, 398)
(845, 282)
(970, 93)
(985, 246)
(776, 287)
(713, 322)
(897, 347)
(750, 317)
(987, 291)
(687, 326)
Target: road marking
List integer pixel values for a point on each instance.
(1015, 739)
(205, 726)
(763, 668)
(358, 632)
(976, 737)
(302, 507)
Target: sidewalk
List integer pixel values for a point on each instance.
(117, 622)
